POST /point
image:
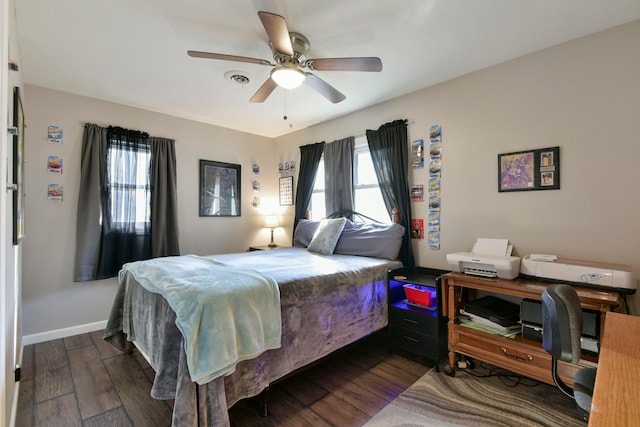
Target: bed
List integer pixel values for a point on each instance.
(326, 301)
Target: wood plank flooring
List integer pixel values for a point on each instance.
(85, 381)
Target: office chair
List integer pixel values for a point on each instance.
(561, 331)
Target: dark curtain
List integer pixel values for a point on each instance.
(93, 170)
(127, 208)
(310, 156)
(338, 175)
(164, 204)
(390, 155)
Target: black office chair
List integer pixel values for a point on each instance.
(561, 331)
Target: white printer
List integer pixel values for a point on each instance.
(586, 273)
(489, 258)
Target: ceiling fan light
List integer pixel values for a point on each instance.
(288, 77)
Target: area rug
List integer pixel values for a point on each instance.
(484, 396)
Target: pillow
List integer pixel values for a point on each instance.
(326, 236)
(304, 232)
(374, 240)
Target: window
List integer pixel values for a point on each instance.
(128, 186)
(368, 198)
(318, 207)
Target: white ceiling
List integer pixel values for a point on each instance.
(133, 52)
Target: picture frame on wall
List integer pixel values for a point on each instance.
(286, 191)
(528, 170)
(220, 189)
(18, 167)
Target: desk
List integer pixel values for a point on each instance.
(615, 397)
(519, 355)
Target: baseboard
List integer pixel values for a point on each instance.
(63, 333)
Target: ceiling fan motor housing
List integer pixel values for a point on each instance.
(300, 45)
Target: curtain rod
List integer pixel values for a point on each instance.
(362, 135)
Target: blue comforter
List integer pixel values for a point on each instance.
(225, 313)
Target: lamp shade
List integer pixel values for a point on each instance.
(271, 221)
(288, 77)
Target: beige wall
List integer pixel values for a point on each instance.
(51, 300)
(583, 96)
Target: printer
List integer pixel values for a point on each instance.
(585, 273)
(489, 258)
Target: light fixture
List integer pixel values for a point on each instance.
(288, 76)
(271, 221)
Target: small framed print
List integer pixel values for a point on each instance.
(529, 170)
(286, 191)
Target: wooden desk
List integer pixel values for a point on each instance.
(615, 397)
(517, 355)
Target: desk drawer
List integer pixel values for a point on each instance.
(506, 353)
(513, 354)
(504, 348)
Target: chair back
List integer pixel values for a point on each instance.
(561, 322)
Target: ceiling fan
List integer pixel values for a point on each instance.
(289, 53)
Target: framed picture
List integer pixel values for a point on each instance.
(18, 168)
(286, 191)
(529, 170)
(219, 188)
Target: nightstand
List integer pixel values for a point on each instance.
(265, 248)
(415, 328)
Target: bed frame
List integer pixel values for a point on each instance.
(395, 215)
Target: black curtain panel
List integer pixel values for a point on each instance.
(126, 201)
(164, 203)
(93, 169)
(310, 156)
(390, 155)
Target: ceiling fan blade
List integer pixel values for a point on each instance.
(209, 55)
(324, 88)
(345, 64)
(276, 28)
(265, 90)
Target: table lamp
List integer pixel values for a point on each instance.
(271, 221)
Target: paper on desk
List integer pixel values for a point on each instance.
(497, 247)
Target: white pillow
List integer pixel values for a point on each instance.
(326, 236)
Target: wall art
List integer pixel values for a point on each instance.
(219, 188)
(529, 170)
(286, 191)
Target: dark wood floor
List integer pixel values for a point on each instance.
(85, 381)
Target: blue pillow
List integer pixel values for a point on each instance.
(326, 236)
(374, 240)
(304, 232)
